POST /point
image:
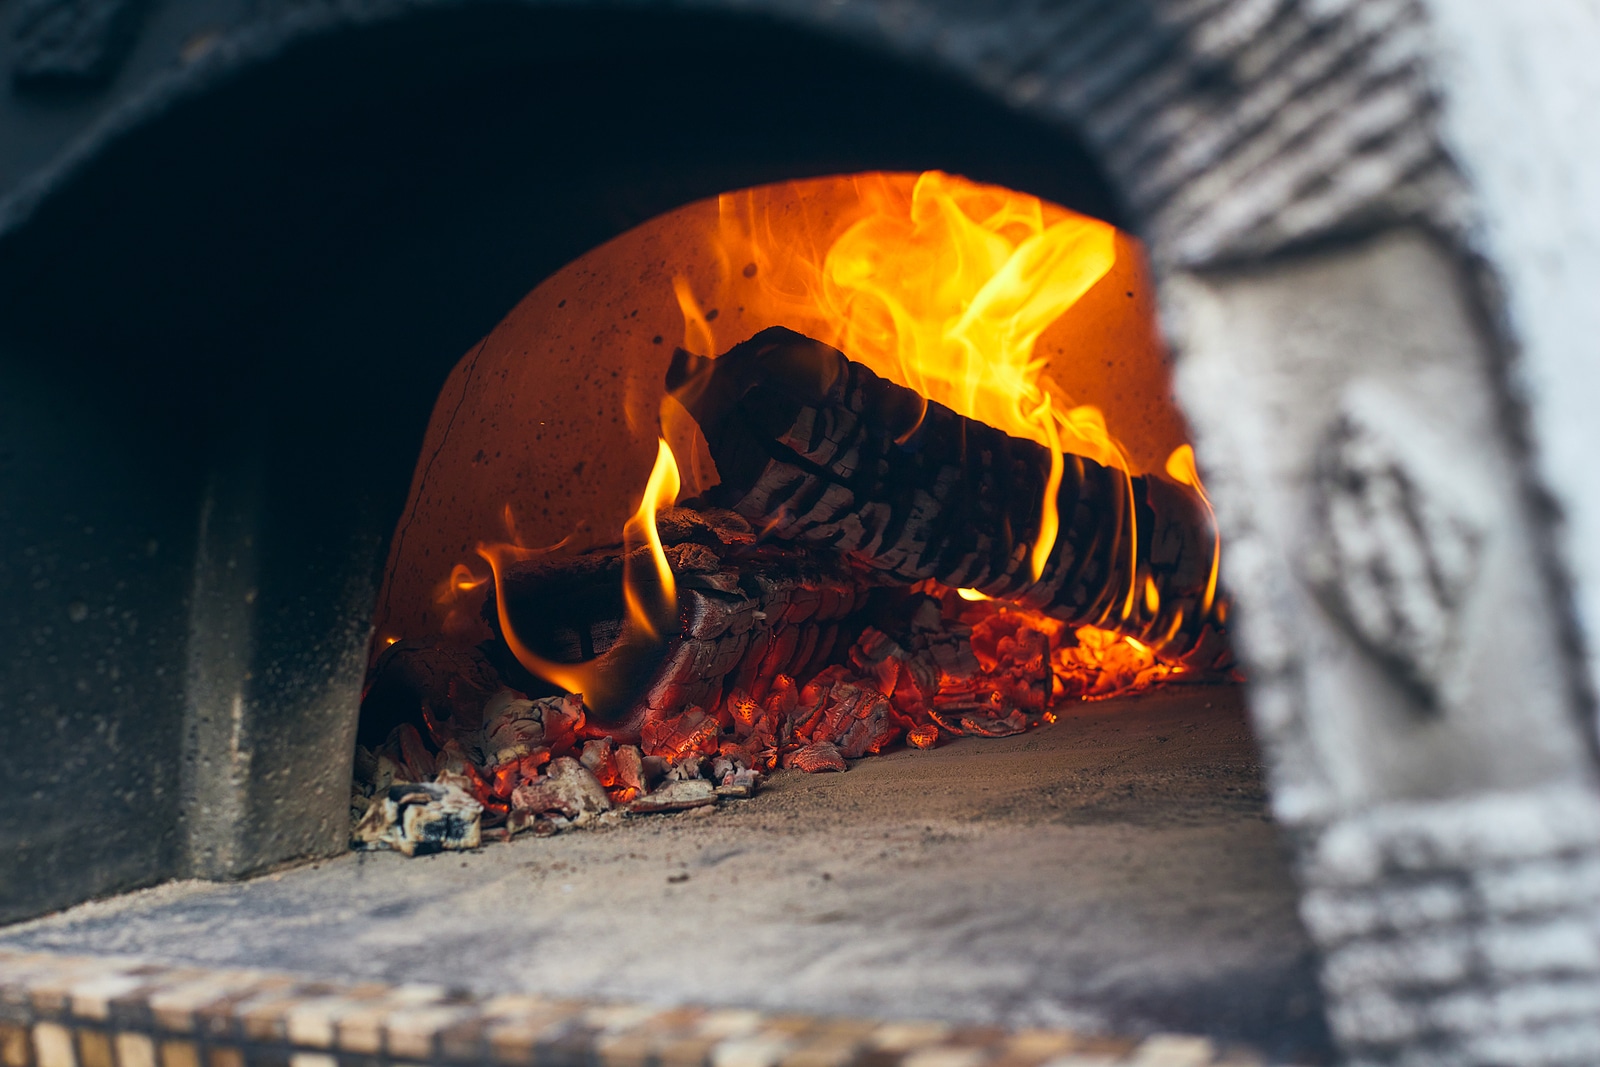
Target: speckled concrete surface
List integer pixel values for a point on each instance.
(1113, 871)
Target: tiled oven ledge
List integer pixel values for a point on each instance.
(102, 1011)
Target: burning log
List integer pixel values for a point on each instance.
(888, 596)
(748, 614)
(815, 449)
(785, 655)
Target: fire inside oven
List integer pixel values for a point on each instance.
(780, 481)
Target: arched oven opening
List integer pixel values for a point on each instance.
(243, 252)
(876, 473)
(913, 438)
(268, 333)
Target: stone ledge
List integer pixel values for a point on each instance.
(82, 1011)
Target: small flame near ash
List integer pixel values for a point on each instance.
(597, 680)
(1181, 468)
(661, 491)
(651, 598)
(1087, 663)
(1101, 664)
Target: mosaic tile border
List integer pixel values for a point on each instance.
(106, 1011)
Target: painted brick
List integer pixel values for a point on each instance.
(16, 1048)
(135, 1050)
(1374, 1015)
(1560, 884)
(52, 1046)
(50, 988)
(313, 1059)
(1565, 946)
(1571, 1043)
(728, 1023)
(754, 1050)
(464, 1041)
(362, 1029)
(688, 1050)
(1173, 1050)
(944, 1056)
(904, 1037)
(1539, 1003)
(175, 1007)
(411, 1034)
(824, 1052)
(1334, 916)
(1033, 1046)
(314, 1022)
(263, 1017)
(1439, 958)
(513, 1036)
(94, 1049)
(93, 998)
(568, 1043)
(640, 1044)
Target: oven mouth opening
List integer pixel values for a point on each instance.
(779, 481)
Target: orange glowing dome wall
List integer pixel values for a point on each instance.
(1026, 315)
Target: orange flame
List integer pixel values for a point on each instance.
(1181, 468)
(1087, 662)
(659, 492)
(1100, 664)
(599, 680)
(936, 282)
(462, 593)
(461, 580)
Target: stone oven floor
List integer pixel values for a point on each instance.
(1114, 871)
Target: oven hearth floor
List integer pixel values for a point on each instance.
(1115, 871)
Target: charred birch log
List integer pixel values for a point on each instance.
(748, 613)
(813, 448)
(781, 647)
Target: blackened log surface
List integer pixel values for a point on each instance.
(815, 448)
(747, 613)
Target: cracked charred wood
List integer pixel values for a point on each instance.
(816, 449)
(780, 647)
(747, 613)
